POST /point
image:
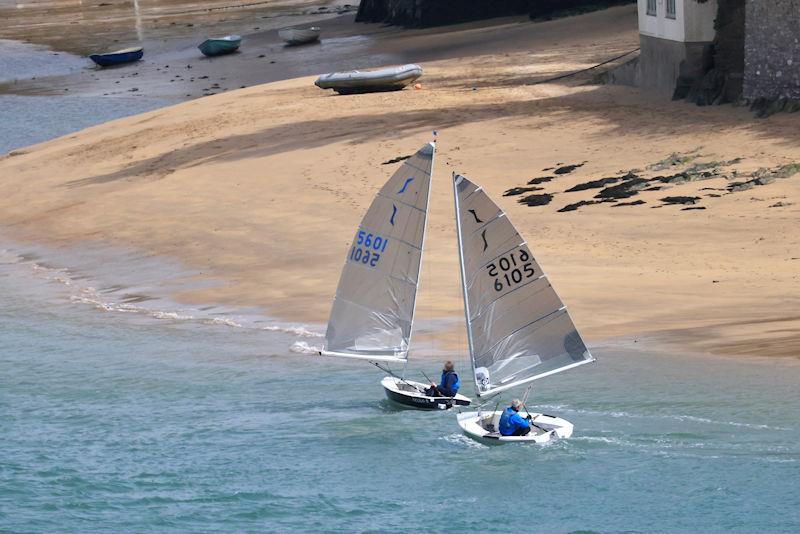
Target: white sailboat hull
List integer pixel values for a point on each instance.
(482, 426)
(410, 394)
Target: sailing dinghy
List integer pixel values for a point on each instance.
(373, 311)
(517, 327)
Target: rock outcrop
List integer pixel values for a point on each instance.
(424, 13)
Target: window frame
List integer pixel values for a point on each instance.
(674, 14)
(654, 5)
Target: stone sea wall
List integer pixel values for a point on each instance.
(772, 50)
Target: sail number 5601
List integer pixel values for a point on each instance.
(511, 270)
(368, 248)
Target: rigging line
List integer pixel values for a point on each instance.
(562, 76)
(387, 370)
(437, 387)
(530, 421)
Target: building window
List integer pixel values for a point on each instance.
(651, 7)
(670, 9)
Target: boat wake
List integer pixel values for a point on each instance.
(301, 347)
(673, 417)
(461, 439)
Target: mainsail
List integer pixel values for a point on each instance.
(373, 310)
(518, 328)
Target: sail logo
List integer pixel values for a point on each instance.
(477, 220)
(403, 189)
(485, 243)
(394, 212)
(482, 378)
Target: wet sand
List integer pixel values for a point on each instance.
(259, 190)
(82, 27)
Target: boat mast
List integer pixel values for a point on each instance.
(456, 180)
(421, 254)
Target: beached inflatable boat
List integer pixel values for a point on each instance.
(357, 81)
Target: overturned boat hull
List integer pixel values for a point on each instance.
(299, 36)
(219, 46)
(120, 57)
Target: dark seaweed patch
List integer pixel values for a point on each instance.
(634, 203)
(566, 169)
(519, 190)
(576, 205)
(541, 199)
(626, 189)
(594, 184)
(540, 180)
(680, 200)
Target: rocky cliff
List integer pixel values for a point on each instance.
(423, 13)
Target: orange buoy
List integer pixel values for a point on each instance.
(417, 86)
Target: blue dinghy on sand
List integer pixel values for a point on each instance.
(127, 55)
(218, 46)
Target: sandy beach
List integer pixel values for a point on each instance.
(259, 189)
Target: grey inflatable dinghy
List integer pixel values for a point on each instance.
(357, 81)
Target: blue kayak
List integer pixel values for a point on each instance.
(119, 57)
(217, 46)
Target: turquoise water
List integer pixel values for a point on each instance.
(113, 421)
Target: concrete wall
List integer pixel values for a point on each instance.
(772, 49)
(662, 61)
(693, 22)
(698, 20)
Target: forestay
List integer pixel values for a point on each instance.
(518, 328)
(373, 310)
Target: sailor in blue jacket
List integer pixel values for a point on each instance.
(448, 384)
(512, 423)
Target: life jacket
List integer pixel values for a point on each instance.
(443, 382)
(506, 427)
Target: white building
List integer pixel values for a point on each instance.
(675, 38)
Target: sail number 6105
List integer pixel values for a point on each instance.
(511, 269)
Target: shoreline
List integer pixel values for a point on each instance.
(259, 189)
(129, 284)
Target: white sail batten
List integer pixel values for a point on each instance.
(518, 328)
(373, 311)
